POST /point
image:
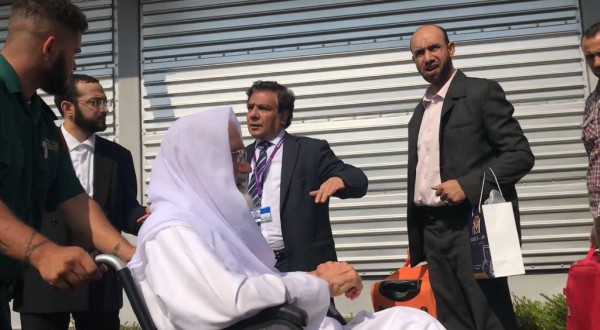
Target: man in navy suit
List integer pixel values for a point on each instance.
(461, 127)
(105, 170)
(296, 177)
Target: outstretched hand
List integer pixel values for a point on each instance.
(327, 189)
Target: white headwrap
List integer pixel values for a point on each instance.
(193, 184)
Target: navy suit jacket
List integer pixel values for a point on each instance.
(305, 226)
(477, 131)
(115, 190)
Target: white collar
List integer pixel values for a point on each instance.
(274, 141)
(73, 143)
(441, 93)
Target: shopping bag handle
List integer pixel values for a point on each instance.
(483, 184)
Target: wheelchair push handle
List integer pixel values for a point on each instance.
(135, 299)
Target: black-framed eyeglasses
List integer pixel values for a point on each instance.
(240, 156)
(98, 103)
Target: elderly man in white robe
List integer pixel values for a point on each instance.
(201, 261)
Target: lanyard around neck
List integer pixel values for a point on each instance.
(259, 175)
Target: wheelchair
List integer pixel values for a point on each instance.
(273, 318)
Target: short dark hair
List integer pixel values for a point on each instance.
(285, 97)
(592, 31)
(71, 93)
(61, 11)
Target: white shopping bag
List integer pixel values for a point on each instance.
(505, 258)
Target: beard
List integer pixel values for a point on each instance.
(88, 125)
(242, 185)
(54, 81)
(445, 72)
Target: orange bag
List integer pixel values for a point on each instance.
(408, 286)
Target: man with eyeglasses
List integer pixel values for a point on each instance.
(240, 158)
(105, 170)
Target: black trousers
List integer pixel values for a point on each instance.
(462, 302)
(4, 307)
(60, 321)
(281, 262)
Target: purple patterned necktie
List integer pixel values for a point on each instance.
(260, 169)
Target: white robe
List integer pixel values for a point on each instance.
(187, 287)
(201, 261)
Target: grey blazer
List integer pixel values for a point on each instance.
(477, 131)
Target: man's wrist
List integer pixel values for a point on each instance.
(124, 251)
(340, 181)
(36, 249)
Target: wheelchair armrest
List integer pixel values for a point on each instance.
(288, 315)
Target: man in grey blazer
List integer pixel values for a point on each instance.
(294, 186)
(105, 170)
(462, 126)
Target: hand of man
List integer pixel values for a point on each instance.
(145, 216)
(65, 267)
(341, 278)
(327, 189)
(450, 192)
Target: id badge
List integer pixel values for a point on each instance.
(262, 214)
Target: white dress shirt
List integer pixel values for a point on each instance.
(428, 148)
(271, 193)
(82, 157)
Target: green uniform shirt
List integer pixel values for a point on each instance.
(35, 172)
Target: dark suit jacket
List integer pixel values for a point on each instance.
(477, 131)
(115, 190)
(305, 226)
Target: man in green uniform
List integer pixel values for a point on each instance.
(35, 173)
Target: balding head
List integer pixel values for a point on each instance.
(430, 28)
(432, 53)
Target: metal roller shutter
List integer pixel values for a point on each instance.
(349, 64)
